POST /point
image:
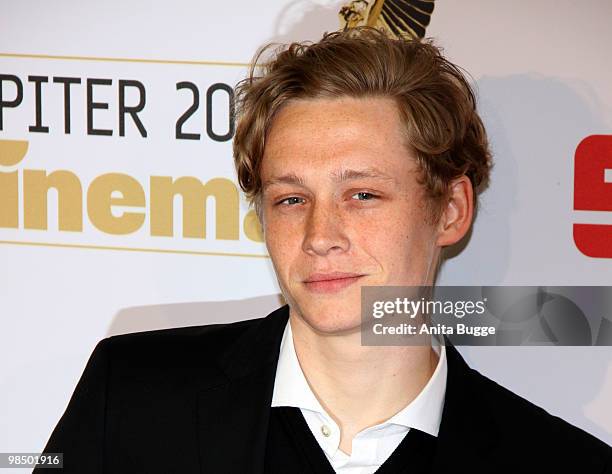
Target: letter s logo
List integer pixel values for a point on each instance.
(593, 192)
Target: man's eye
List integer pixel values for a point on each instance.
(291, 200)
(363, 196)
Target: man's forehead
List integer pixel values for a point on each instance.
(343, 116)
(318, 139)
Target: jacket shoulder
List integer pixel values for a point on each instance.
(215, 334)
(525, 423)
(165, 351)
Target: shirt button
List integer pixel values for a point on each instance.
(325, 430)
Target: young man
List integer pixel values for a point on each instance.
(363, 156)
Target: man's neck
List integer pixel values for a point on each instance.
(360, 386)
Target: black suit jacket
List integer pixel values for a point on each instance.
(197, 400)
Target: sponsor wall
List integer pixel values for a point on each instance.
(120, 106)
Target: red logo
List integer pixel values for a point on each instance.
(593, 192)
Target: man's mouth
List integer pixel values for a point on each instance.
(330, 282)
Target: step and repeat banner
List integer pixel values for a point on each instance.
(120, 210)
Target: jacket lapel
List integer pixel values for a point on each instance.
(233, 411)
(468, 433)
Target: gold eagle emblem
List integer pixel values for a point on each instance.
(400, 18)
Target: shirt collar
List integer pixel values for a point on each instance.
(423, 413)
(290, 385)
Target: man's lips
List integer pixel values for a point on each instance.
(330, 282)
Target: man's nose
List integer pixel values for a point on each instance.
(325, 231)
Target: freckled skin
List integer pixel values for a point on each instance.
(371, 225)
(341, 195)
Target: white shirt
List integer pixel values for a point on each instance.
(372, 446)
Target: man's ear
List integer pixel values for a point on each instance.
(457, 215)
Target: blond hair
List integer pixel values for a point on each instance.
(437, 105)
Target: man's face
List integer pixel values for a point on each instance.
(342, 207)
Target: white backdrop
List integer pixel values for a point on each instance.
(543, 71)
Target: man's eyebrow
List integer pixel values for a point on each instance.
(289, 178)
(338, 176)
(350, 174)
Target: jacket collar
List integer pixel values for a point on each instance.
(468, 431)
(234, 410)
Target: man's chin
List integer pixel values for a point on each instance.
(331, 319)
